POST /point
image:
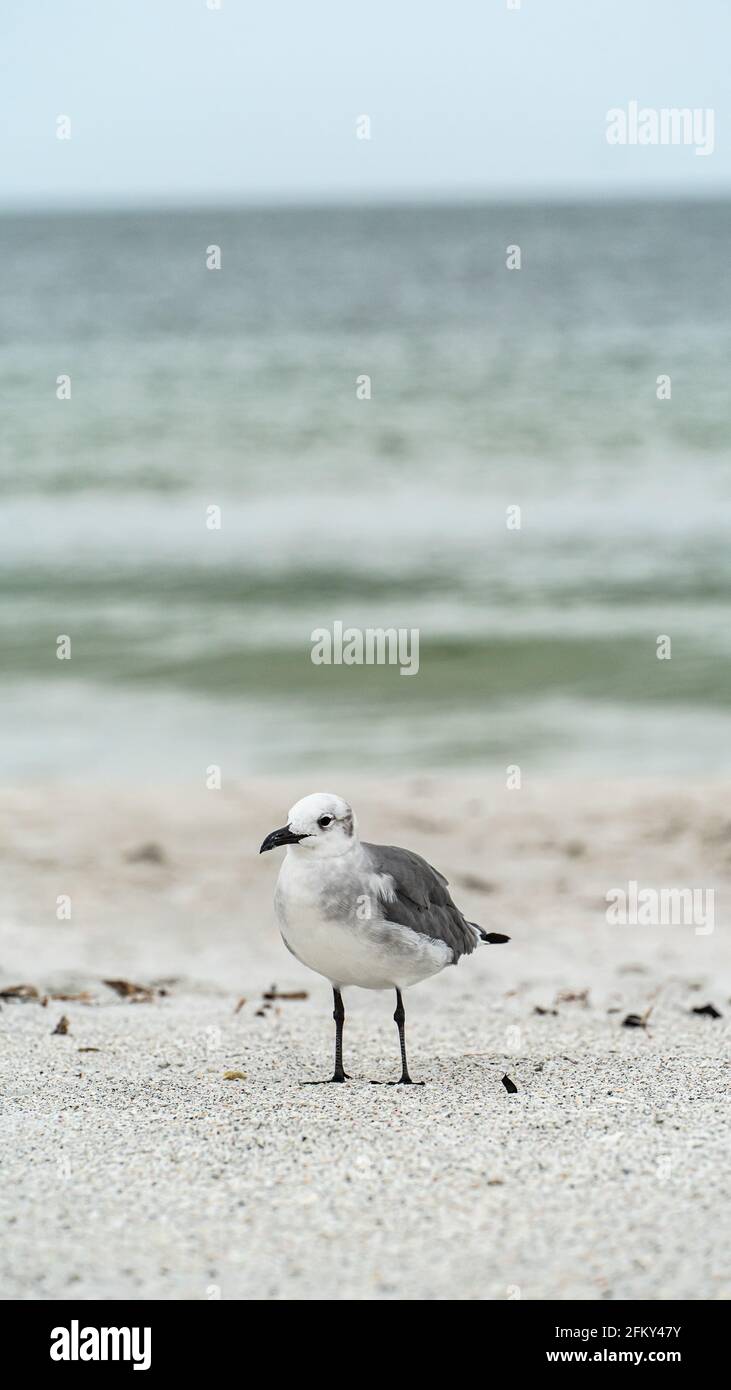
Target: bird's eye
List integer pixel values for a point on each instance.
(324, 821)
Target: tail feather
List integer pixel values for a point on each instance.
(490, 938)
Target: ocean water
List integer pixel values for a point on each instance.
(490, 388)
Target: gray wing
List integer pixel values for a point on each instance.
(422, 901)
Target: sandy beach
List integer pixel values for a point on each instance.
(133, 1167)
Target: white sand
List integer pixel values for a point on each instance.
(138, 1171)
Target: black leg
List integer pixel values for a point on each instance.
(339, 1016)
(399, 1019)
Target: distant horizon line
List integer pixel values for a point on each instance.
(325, 201)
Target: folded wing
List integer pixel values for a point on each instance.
(420, 899)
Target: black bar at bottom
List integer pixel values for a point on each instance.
(190, 1338)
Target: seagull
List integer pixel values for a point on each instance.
(369, 915)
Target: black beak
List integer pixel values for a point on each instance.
(281, 837)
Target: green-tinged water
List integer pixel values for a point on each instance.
(490, 388)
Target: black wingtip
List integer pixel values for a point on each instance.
(494, 938)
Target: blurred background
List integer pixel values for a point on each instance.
(193, 127)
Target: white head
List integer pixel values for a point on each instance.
(321, 824)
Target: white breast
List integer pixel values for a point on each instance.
(373, 954)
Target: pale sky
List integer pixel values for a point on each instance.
(256, 102)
